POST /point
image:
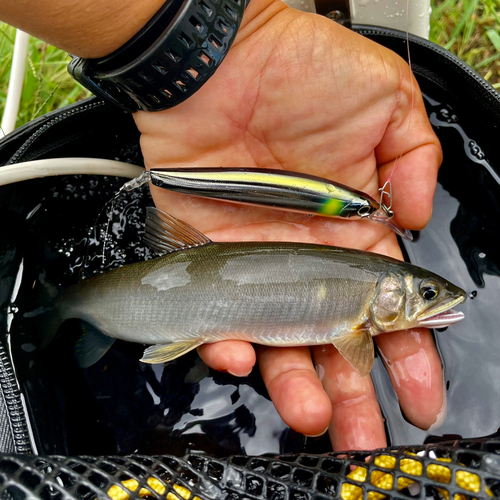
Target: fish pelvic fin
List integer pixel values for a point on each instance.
(165, 234)
(357, 348)
(161, 353)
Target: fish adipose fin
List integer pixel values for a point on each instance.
(166, 234)
(357, 348)
(91, 346)
(161, 353)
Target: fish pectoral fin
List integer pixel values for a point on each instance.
(161, 353)
(357, 348)
(91, 346)
(165, 234)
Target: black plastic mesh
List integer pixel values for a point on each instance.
(456, 470)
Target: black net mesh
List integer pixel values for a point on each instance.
(458, 470)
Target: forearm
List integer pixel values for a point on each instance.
(87, 28)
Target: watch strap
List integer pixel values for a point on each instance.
(168, 60)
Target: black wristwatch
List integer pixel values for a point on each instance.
(168, 60)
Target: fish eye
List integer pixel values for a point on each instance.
(429, 291)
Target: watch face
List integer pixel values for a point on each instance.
(160, 68)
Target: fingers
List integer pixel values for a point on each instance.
(415, 370)
(410, 154)
(414, 179)
(232, 356)
(357, 422)
(295, 389)
(413, 364)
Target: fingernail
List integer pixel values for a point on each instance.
(241, 374)
(320, 370)
(317, 435)
(441, 416)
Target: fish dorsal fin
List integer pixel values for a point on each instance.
(165, 234)
(357, 348)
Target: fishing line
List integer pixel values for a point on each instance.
(386, 189)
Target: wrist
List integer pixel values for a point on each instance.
(168, 60)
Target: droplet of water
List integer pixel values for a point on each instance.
(13, 309)
(482, 255)
(446, 115)
(476, 150)
(144, 178)
(473, 294)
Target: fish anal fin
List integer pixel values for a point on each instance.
(357, 348)
(166, 234)
(162, 353)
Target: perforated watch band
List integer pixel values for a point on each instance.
(168, 60)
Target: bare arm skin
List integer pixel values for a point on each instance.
(298, 92)
(87, 28)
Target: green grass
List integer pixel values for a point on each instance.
(468, 28)
(471, 30)
(47, 84)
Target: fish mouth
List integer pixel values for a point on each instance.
(442, 315)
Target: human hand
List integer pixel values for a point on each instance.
(299, 92)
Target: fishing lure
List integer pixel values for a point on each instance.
(280, 189)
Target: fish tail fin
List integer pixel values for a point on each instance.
(41, 317)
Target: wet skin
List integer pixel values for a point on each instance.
(299, 92)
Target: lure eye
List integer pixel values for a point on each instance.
(364, 211)
(429, 291)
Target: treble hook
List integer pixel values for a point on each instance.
(386, 208)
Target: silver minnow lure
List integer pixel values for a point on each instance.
(280, 294)
(278, 189)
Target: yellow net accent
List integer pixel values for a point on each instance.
(358, 474)
(183, 492)
(375, 495)
(468, 481)
(351, 492)
(439, 473)
(410, 466)
(385, 461)
(379, 478)
(382, 479)
(118, 493)
(404, 482)
(155, 485)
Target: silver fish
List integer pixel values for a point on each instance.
(279, 294)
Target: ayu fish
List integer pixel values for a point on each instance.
(278, 294)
